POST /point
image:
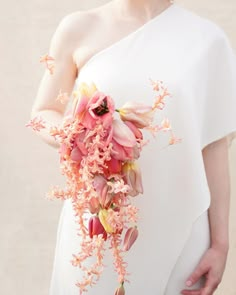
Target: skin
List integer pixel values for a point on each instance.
(213, 262)
(72, 46)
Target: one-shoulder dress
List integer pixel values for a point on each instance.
(194, 58)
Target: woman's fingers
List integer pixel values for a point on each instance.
(199, 271)
(210, 285)
(211, 266)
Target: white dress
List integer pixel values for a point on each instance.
(194, 59)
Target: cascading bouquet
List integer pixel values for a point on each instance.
(98, 156)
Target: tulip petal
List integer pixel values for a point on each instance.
(122, 134)
(76, 155)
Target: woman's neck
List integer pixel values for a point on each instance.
(142, 9)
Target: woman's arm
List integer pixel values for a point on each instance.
(62, 47)
(212, 263)
(216, 163)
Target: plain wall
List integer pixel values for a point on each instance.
(28, 222)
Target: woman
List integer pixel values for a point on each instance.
(184, 241)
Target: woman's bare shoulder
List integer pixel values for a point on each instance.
(80, 21)
(73, 28)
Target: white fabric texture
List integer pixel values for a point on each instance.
(195, 247)
(194, 59)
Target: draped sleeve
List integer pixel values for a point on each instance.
(217, 101)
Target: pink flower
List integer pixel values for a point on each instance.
(76, 154)
(79, 141)
(94, 205)
(64, 152)
(79, 149)
(124, 153)
(101, 187)
(120, 290)
(96, 228)
(102, 107)
(92, 105)
(103, 216)
(130, 237)
(137, 133)
(139, 114)
(113, 166)
(132, 176)
(122, 134)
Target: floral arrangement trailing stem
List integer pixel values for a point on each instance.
(99, 148)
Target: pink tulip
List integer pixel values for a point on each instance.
(132, 177)
(76, 155)
(94, 205)
(101, 187)
(82, 104)
(139, 114)
(113, 166)
(97, 107)
(102, 106)
(122, 134)
(79, 141)
(124, 153)
(130, 237)
(118, 152)
(87, 120)
(95, 227)
(81, 98)
(120, 290)
(132, 153)
(137, 133)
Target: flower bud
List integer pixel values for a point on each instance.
(120, 290)
(103, 213)
(133, 177)
(130, 237)
(94, 205)
(95, 227)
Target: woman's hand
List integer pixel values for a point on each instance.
(212, 266)
(212, 263)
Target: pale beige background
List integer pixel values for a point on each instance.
(28, 222)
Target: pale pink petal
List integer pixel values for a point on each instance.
(76, 155)
(134, 129)
(133, 106)
(88, 121)
(118, 151)
(81, 105)
(122, 134)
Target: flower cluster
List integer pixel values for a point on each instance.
(99, 149)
